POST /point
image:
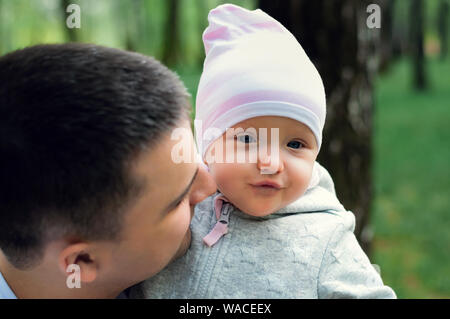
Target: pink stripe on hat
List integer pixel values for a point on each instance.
(256, 96)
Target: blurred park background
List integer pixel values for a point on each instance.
(387, 137)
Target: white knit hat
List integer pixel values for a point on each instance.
(255, 67)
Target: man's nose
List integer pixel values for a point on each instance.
(204, 186)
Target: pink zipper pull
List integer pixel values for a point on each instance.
(221, 227)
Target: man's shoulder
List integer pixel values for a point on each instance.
(5, 290)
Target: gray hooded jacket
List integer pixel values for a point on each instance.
(306, 250)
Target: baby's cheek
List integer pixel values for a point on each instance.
(219, 174)
(300, 179)
(225, 177)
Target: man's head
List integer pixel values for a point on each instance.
(85, 147)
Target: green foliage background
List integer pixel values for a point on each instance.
(411, 130)
(412, 182)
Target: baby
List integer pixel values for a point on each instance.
(275, 229)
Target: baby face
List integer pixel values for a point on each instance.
(262, 186)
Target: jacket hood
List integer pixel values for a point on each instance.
(320, 195)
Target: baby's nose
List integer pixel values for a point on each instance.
(270, 164)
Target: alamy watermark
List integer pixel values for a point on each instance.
(73, 21)
(374, 19)
(74, 279)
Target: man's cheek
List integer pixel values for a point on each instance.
(185, 244)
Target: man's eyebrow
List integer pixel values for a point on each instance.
(174, 203)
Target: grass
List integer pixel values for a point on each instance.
(412, 182)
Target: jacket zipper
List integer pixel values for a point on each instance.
(220, 229)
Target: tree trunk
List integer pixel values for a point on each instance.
(171, 47)
(2, 32)
(71, 34)
(417, 23)
(443, 27)
(386, 43)
(335, 37)
(401, 40)
(135, 27)
(202, 24)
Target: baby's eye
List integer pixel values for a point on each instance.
(295, 144)
(245, 138)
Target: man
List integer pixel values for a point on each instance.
(87, 184)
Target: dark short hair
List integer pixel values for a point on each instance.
(72, 119)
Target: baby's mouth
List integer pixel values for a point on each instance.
(267, 185)
(266, 188)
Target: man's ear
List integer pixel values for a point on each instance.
(79, 254)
